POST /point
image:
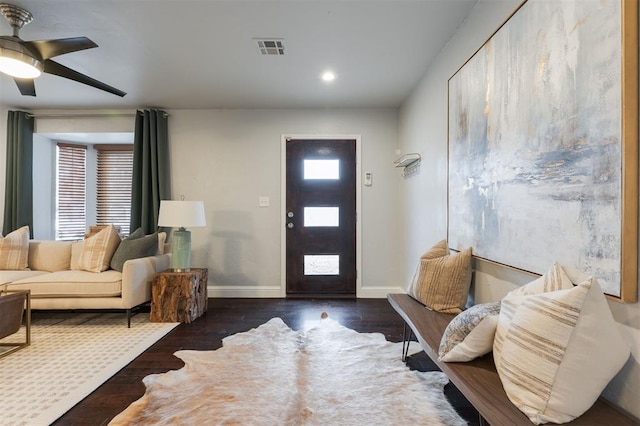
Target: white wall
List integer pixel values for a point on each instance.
(423, 128)
(227, 158)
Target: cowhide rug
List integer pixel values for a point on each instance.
(272, 375)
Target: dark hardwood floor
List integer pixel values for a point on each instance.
(229, 316)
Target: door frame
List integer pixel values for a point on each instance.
(283, 204)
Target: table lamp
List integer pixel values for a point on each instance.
(181, 214)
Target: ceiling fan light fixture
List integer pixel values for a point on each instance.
(17, 61)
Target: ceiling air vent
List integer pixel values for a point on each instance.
(271, 46)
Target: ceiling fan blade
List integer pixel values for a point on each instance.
(50, 48)
(26, 86)
(51, 67)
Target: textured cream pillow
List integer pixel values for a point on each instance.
(470, 334)
(442, 284)
(14, 250)
(162, 238)
(440, 249)
(51, 256)
(554, 279)
(98, 250)
(561, 349)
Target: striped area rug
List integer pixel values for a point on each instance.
(70, 356)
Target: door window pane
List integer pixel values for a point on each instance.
(321, 169)
(322, 264)
(321, 216)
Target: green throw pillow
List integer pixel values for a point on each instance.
(136, 245)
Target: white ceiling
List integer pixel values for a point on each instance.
(178, 54)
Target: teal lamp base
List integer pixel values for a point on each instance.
(181, 250)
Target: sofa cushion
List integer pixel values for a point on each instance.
(76, 251)
(50, 256)
(134, 246)
(14, 250)
(98, 250)
(72, 284)
(11, 276)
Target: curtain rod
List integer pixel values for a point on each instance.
(92, 115)
(95, 115)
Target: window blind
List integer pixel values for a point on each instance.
(113, 205)
(71, 179)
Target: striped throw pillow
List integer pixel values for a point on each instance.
(98, 250)
(560, 351)
(440, 249)
(442, 284)
(554, 279)
(14, 250)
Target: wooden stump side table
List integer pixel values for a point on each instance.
(179, 296)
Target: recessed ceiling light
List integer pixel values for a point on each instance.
(328, 76)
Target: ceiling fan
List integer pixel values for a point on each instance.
(26, 60)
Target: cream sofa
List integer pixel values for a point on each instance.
(57, 283)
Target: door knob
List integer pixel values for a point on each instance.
(289, 225)
(290, 214)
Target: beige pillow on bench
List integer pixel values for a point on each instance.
(470, 334)
(442, 280)
(560, 350)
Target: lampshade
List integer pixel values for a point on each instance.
(17, 61)
(183, 214)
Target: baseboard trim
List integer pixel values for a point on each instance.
(275, 292)
(244, 292)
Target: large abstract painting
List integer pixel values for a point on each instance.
(543, 157)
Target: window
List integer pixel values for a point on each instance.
(114, 174)
(71, 176)
(322, 169)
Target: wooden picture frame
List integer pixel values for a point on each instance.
(543, 143)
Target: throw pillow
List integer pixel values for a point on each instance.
(162, 238)
(470, 334)
(98, 250)
(561, 349)
(14, 250)
(442, 284)
(134, 247)
(554, 279)
(440, 249)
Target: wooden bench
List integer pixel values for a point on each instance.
(478, 380)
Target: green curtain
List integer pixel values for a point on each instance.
(18, 193)
(151, 182)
